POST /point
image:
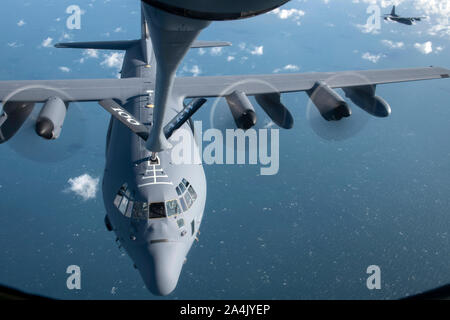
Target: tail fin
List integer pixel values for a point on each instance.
(393, 11)
(100, 45)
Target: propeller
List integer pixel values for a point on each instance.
(341, 130)
(40, 141)
(31, 146)
(349, 121)
(222, 119)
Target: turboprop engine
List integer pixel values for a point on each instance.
(51, 118)
(242, 110)
(331, 106)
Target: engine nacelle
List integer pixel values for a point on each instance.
(242, 110)
(51, 118)
(365, 98)
(271, 104)
(331, 106)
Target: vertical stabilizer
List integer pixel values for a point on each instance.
(393, 11)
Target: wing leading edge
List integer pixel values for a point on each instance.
(217, 86)
(72, 90)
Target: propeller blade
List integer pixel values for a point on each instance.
(29, 145)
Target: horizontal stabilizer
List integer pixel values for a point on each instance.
(209, 44)
(100, 45)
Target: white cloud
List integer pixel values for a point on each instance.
(119, 29)
(64, 69)
(47, 42)
(425, 48)
(293, 14)
(258, 51)
(195, 70)
(392, 44)
(372, 57)
(21, 23)
(90, 53)
(66, 36)
(113, 60)
(230, 58)
(291, 67)
(216, 51)
(201, 51)
(84, 186)
(368, 28)
(288, 67)
(14, 44)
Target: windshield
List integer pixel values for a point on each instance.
(172, 208)
(157, 210)
(143, 210)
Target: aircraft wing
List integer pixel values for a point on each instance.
(72, 90)
(217, 86)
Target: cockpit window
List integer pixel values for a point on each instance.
(188, 199)
(187, 194)
(124, 200)
(172, 208)
(123, 205)
(140, 210)
(192, 193)
(157, 210)
(183, 204)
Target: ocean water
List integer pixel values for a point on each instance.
(380, 197)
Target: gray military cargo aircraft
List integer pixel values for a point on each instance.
(403, 20)
(154, 206)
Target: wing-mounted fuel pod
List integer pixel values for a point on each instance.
(51, 118)
(272, 106)
(242, 110)
(331, 105)
(365, 98)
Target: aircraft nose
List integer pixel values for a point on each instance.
(166, 263)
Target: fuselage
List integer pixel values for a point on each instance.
(154, 207)
(407, 21)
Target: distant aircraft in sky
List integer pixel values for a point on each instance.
(155, 206)
(403, 20)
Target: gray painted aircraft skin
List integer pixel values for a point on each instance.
(154, 206)
(403, 20)
(158, 246)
